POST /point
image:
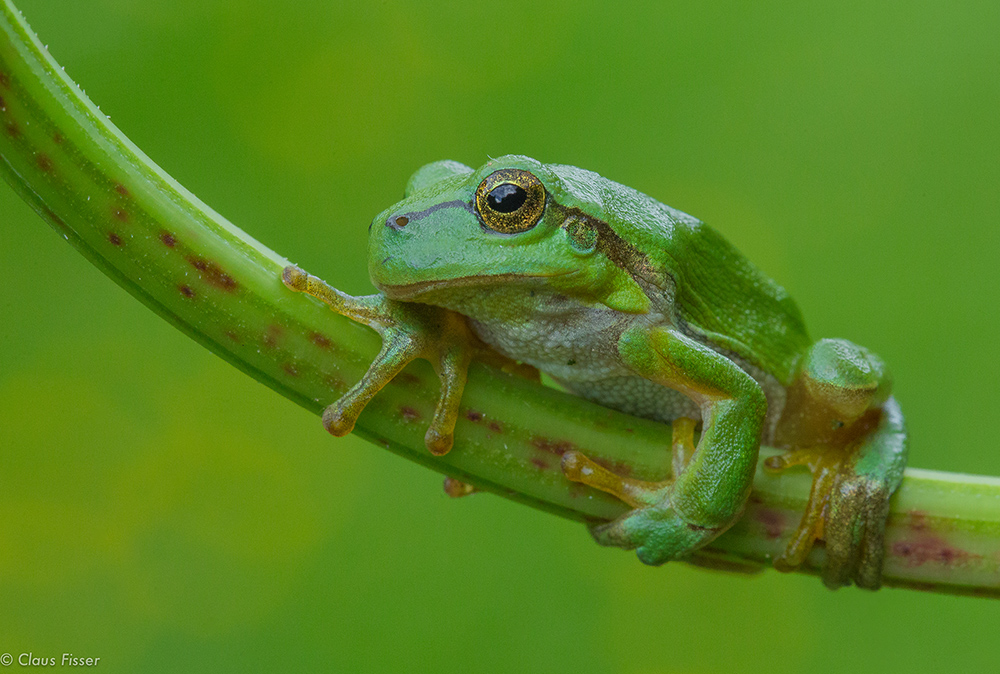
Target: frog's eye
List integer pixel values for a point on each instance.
(510, 201)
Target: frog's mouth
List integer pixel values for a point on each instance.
(422, 290)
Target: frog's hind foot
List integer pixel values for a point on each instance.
(841, 422)
(849, 503)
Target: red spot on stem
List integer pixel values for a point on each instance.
(495, 427)
(290, 369)
(560, 447)
(168, 239)
(213, 273)
(772, 521)
(121, 189)
(3, 105)
(334, 382)
(120, 214)
(932, 549)
(57, 138)
(540, 464)
(186, 290)
(114, 238)
(273, 335)
(474, 416)
(4, 80)
(408, 413)
(617, 467)
(43, 162)
(322, 341)
(557, 447)
(12, 129)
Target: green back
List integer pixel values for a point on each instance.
(720, 294)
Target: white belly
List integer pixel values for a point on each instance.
(578, 346)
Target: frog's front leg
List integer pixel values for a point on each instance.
(408, 331)
(671, 519)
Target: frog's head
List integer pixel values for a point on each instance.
(514, 223)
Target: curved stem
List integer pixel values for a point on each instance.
(224, 289)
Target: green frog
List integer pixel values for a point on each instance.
(644, 309)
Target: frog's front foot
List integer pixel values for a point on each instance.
(849, 503)
(409, 331)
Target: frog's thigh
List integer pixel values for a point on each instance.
(712, 489)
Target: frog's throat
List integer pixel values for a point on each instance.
(411, 292)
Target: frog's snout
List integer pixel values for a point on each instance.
(434, 217)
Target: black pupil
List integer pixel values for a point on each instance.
(506, 198)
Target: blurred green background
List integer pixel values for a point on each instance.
(164, 512)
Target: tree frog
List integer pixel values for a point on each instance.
(644, 309)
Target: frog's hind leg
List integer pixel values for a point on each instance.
(855, 529)
(850, 433)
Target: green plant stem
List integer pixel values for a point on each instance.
(223, 288)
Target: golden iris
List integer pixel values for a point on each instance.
(510, 201)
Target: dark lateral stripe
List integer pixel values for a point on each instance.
(416, 215)
(615, 248)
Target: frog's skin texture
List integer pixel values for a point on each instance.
(644, 309)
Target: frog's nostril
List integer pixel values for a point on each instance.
(397, 221)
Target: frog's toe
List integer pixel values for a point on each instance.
(652, 554)
(335, 422)
(439, 441)
(613, 534)
(855, 532)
